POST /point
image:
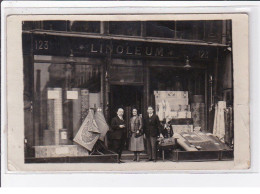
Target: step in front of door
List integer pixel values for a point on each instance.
(131, 156)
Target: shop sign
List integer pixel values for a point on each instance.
(83, 47)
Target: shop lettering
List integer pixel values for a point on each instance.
(41, 45)
(203, 54)
(141, 49)
(126, 50)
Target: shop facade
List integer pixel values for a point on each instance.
(70, 67)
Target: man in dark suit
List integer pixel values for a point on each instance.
(118, 126)
(152, 131)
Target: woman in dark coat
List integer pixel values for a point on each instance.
(136, 143)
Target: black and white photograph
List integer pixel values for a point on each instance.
(120, 93)
(127, 91)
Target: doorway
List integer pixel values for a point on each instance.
(126, 96)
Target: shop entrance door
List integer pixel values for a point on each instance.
(126, 97)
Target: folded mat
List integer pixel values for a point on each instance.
(200, 141)
(88, 133)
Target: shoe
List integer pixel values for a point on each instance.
(150, 160)
(134, 159)
(120, 161)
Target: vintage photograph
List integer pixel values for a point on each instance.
(154, 91)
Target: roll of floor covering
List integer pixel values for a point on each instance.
(84, 103)
(88, 133)
(219, 121)
(58, 117)
(198, 115)
(76, 109)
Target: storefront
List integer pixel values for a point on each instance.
(68, 73)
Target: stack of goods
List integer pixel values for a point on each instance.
(195, 141)
(174, 104)
(88, 133)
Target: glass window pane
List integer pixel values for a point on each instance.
(125, 28)
(63, 94)
(164, 29)
(55, 25)
(82, 26)
(126, 74)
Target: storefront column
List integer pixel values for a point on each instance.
(29, 133)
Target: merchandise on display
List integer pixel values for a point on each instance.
(88, 133)
(198, 115)
(182, 128)
(76, 109)
(173, 104)
(55, 95)
(219, 120)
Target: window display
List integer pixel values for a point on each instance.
(64, 93)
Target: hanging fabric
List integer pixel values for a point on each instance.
(164, 109)
(219, 120)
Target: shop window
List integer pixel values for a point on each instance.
(31, 25)
(164, 29)
(190, 30)
(179, 95)
(125, 28)
(82, 26)
(213, 31)
(127, 74)
(63, 94)
(55, 25)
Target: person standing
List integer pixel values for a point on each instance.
(118, 126)
(152, 131)
(136, 143)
